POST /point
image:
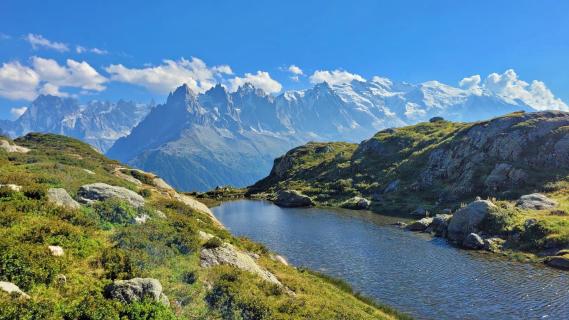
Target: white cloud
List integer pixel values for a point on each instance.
(74, 74)
(508, 86)
(334, 77)
(17, 112)
(261, 80)
(295, 70)
(170, 74)
(81, 49)
(38, 41)
(4, 36)
(46, 76)
(18, 81)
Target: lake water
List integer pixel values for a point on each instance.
(415, 273)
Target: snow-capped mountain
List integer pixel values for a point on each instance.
(199, 141)
(97, 123)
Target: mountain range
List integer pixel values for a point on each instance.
(98, 123)
(198, 141)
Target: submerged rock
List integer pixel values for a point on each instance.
(536, 201)
(60, 197)
(102, 191)
(473, 241)
(137, 289)
(226, 254)
(12, 288)
(292, 198)
(466, 220)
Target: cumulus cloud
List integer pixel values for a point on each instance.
(261, 80)
(37, 41)
(18, 81)
(508, 86)
(170, 74)
(295, 70)
(17, 112)
(46, 76)
(334, 77)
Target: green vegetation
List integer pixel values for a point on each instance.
(102, 244)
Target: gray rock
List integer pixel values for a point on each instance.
(466, 220)
(356, 203)
(493, 244)
(420, 225)
(56, 251)
(292, 198)
(439, 225)
(102, 191)
(535, 201)
(12, 288)
(559, 262)
(60, 197)
(226, 254)
(128, 291)
(420, 212)
(13, 187)
(473, 241)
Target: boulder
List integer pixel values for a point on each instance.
(13, 187)
(161, 184)
(559, 262)
(198, 206)
(226, 254)
(102, 191)
(466, 220)
(356, 203)
(493, 244)
(439, 225)
(141, 219)
(420, 225)
(56, 251)
(292, 198)
(137, 289)
(473, 241)
(420, 212)
(535, 201)
(60, 197)
(12, 289)
(8, 147)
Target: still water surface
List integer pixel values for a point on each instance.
(412, 272)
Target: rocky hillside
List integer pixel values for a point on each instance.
(98, 123)
(436, 167)
(83, 237)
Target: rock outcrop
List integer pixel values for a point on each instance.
(292, 198)
(420, 225)
(60, 197)
(137, 289)
(12, 289)
(196, 205)
(8, 147)
(226, 254)
(536, 201)
(439, 225)
(356, 203)
(466, 220)
(558, 261)
(102, 191)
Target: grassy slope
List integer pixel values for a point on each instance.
(345, 171)
(98, 250)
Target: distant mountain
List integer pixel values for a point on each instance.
(97, 123)
(199, 141)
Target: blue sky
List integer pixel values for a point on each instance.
(118, 48)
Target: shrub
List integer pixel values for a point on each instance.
(15, 308)
(27, 266)
(147, 310)
(118, 264)
(115, 211)
(145, 193)
(213, 243)
(35, 192)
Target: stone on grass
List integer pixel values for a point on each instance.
(137, 289)
(536, 201)
(11, 288)
(56, 251)
(101, 191)
(60, 197)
